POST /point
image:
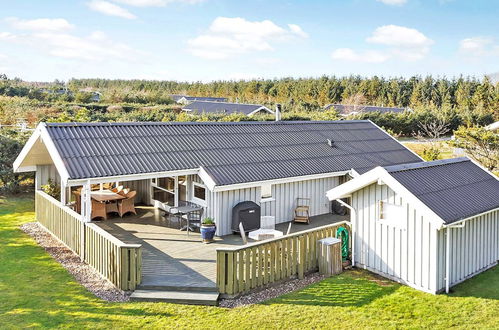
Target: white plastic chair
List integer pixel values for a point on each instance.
(267, 222)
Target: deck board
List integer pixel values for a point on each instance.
(170, 257)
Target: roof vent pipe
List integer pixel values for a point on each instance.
(278, 112)
(330, 143)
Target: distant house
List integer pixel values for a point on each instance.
(345, 109)
(96, 96)
(493, 126)
(185, 99)
(226, 108)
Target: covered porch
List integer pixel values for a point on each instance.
(172, 259)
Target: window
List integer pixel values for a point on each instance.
(164, 190)
(392, 215)
(198, 193)
(266, 193)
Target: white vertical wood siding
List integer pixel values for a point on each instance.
(142, 187)
(405, 255)
(284, 200)
(48, 172)
(474, 248)
(209, 210)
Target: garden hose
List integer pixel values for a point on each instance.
(342, 233)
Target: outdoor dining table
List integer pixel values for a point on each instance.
(105, 196)
(185, 210)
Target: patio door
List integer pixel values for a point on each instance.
(164, 191)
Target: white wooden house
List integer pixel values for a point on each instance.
(215, 165)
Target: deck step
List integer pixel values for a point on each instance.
(176, 297)
(177, 288)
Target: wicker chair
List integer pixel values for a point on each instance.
(128, 204)
(98, 210)
(112, 207)
(77, 194)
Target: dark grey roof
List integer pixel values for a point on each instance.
(230, 152)
(177, 97)
(347, 109)
(206, 98)
(222, 107)
(454, 189)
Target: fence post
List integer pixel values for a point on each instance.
(301, 255)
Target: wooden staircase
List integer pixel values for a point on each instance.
(177, 295)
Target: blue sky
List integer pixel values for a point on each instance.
(227, 39)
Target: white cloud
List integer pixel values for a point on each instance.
(393, 2)
(479, 46)
(110, 9)
(401, 42)
(39, 24)
(297, 30)
(399, 36)
(370, 56)
(154, 3)
(94, 47)
(227, 37)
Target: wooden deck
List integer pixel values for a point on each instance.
(170, 258)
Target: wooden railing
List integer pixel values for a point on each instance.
(61, 221)
(242, 268)
(120, 263)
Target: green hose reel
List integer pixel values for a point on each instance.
(342, 233)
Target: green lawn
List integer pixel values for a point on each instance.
(35, 291)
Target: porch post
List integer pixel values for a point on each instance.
(86, 202)
(63, 193)
(38, 179)
(175, 190)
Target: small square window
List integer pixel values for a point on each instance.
(199, 192)
(266, 191)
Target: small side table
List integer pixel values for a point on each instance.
(263, 234)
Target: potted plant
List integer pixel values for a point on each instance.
(208, 229)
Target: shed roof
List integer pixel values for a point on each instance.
(346, 109)
(177, 97)
(224, 107)
(229, 152)
(454, 189)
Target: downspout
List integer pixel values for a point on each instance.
(448, 232)
(447, 259)
(354, 216)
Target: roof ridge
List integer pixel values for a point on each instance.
(205, 123)
(221, 102)
(424, 164)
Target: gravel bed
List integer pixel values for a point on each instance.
(81, 271)
(272, 292)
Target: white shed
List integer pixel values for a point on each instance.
(429, 225)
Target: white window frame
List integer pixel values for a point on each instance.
(397, 216)
(194, 199)
(154, 183)
(266, 193)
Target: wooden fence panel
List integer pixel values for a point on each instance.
(116, 261)
(240, 269)
(62, 222)
(120, 263)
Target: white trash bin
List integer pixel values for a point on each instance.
(329, 256)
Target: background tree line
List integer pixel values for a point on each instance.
(463, 105)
